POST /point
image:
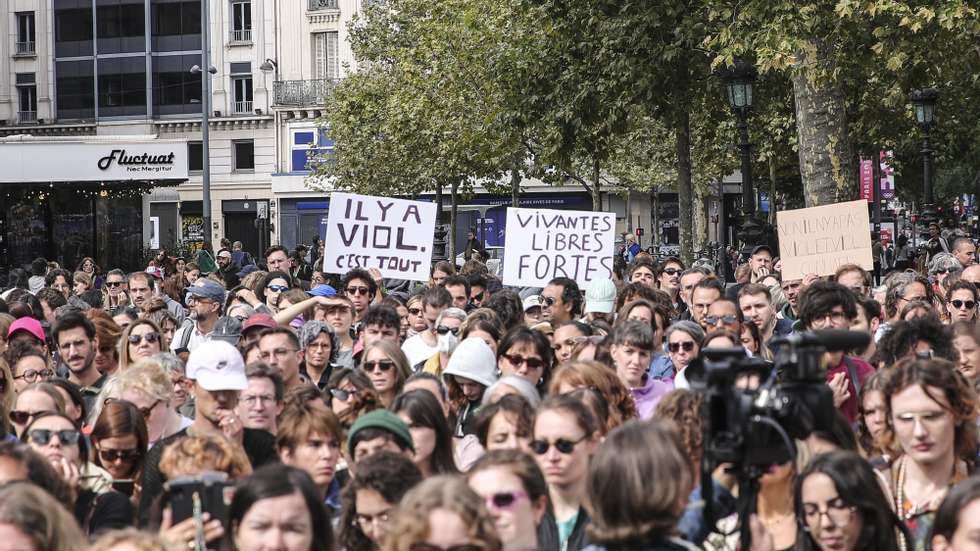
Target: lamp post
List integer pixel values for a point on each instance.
(205, 121)
(924, 102)
(739, 79)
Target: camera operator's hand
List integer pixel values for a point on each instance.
(183, 534)
(761, 538)
(838, 384)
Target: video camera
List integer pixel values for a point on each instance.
(754, 410)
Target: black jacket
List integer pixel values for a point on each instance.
(548, 533)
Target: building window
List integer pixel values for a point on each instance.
(73, 32)
(241, 21)
(244, 155)
(122, 86)
(309, 147)
(175, 26)
(25, 33)
(26, 98)
(75, 89)
(241, 85)
(322, 5)
(175, 89)
(120, 28)
(195, 156)
(326, 64)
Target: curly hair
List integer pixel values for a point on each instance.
(594, 375)
(365, 400)
(390, 475)
(960, 397)
(896, 291)
(874, 383)
(212, 452)
(901, 341)
(447, 492)
(683, 407)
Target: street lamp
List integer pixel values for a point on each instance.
(739, 79)
(924, 102)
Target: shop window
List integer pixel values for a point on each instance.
(309, 147)
(25, 33)
(244, 151)
(195, 156)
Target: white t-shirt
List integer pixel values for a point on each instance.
(417, 350)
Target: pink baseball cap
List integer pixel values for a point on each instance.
(28, 324)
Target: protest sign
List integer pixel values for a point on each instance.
(542, 244)
(392, 235)
(819, 240)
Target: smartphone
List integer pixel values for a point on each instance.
(209, 492)
(124, 486)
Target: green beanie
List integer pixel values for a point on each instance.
(381, 419)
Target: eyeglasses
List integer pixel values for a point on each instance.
(111, 456)
(442, 330)
(915, 299)
(671, 271)
(252, 399)
(113, 283)
(150, 337)
(504, 500)
(563, 445)
(942, 271)
(430, 547)
(517, 360)
(548, 301)
(341, 394)
(43, 436)
(713, 320)
(19, 417)
(968, 304)
(837, 511)
(366, 522)
(675, 347)
(279, 353)
(147, 411)
(832, 317)
(384, 365)
(358, 291)
(478, 297)
(277, 288)
(415, 311)
(31, 375)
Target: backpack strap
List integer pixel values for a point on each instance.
(852, 372)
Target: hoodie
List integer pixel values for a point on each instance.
(471, 359)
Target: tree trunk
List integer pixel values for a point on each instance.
(654, 218)
(515, 187)
(821, 123)
(682, 131)
(596, 196)
(454, 190)
(772, 190)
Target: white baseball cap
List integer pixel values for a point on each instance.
(601, 296)
(533, 301)
(217, 365)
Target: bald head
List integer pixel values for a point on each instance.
(971, 274)
(965, 251)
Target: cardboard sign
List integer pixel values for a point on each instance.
(392, 235)
(542, 244)
(819, 240)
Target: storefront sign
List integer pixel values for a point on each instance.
(819, 240)
(543, 244)
(392, 235)
(58, 161)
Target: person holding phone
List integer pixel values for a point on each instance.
(120, 441)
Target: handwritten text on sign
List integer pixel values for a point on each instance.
(819, 240)
(392, 235)
(544, 244)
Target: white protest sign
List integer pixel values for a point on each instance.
(819, 240)
(392, 235)
(543, 244)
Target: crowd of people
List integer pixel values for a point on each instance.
(261, 404)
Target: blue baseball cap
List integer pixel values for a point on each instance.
(322, 291)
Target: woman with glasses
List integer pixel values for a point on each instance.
(120, 444)
(515, 493)
(29, 364)
(34, 400)
(272, 286)
(447, 328)
(351, 394)
(416, 321)
(565, 436)
(842, 507)
(97, 506)
(148, 386)
(430, 430)
(369, 500)
(386, 365)
(443, 514)
(140, 340)
(683, 338)
(961, 304)
(107, 334)
(320, 346)
(528, 354)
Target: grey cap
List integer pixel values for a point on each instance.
(227, 329)
(206, 288)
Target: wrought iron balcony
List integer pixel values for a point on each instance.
(26, 47)
(323, 5)
(302, 93)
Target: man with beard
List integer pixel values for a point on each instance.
(227, 268)
(204, 300)
(75, 337)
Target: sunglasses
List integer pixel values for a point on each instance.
(31, 375)
(111, 456)
(18, 417)
(564, 446)
(415, 311)
(341, 394)
(41, 437)
(504, 500)
(383, 365)
(671, 271)
(478, 297)
(713, 320)
(358, 291)
(430, 547)
(277, 288)
(675, 347)
(150, 337)
(548, 301)
(113, 283)
(943, 271)
(517, 360)
(442, 330)
(145, 412)
(968, 304)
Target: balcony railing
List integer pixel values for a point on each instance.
(243, 107)
(26, 117)
(25, 47)
(241, 35)
(323, 5)
(303, 93)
